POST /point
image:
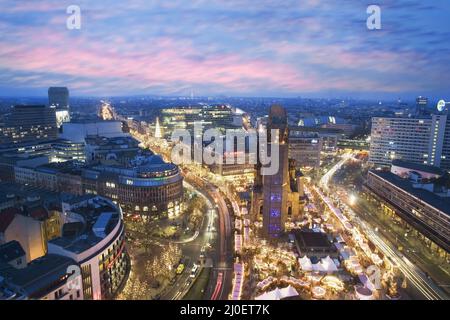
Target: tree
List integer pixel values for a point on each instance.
(135, 289)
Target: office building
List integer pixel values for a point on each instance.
(78, 131)
(58, 97)
(445, 157)
(29, 123)
(219, 117)
(418, 195)
(421, 106)
(418, 140)
(146, 185)
(143, 184)
(66, 150)
(305, 148)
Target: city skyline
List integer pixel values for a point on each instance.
(309, 48)
(228, 152)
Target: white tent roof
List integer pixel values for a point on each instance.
(289, 291)
(305, 264)
(278, 294)
(318, 267)
(328, 264)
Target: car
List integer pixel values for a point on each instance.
(194, 271)
(180, 269)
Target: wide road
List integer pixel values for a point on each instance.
(221, 281)
(192, 249)
(427, 288)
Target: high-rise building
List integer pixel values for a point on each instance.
(445, 158)
(276, 187)
(419, 140)
(58, 97)
(421, 106)
(276, 196)
(30, 123)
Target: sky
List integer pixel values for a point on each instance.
(284, 48)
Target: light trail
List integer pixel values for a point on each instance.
(410, 271)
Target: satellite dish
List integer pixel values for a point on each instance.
(441, 105)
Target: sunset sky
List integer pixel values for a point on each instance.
(226, 47)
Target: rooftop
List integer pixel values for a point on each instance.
(144, 166)
(38, 276)
(418, 167)
(112, 141)
(310, 239)
(72, 167)
(440, 203)
(30, 195)
(99, 217)
(10, 251)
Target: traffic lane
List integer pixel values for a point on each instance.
(192, 250)
(394, 238)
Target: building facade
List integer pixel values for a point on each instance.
(58, 97)
(94, 237)
(29, 123)
(418, 203)
(305, 148)
(417, 140)
(148, 186)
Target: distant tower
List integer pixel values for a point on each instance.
(421, 106)
(58, 97)
(276, 188)
(158, 133)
